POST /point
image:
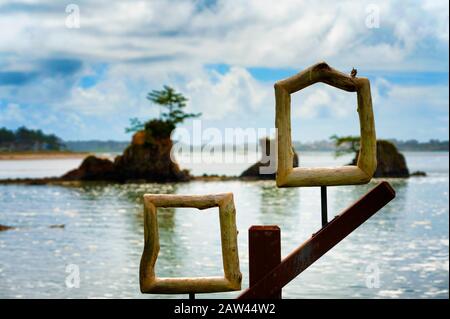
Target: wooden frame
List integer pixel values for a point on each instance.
(231, 280)
(288, 176)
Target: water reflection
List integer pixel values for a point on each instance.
(278, 201)
(168, 258)
(407, 240)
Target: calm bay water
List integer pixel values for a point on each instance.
(406, 243)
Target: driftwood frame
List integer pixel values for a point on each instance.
(287, 175)
(232, 278)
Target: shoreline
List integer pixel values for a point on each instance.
(209, 178)
(30, 155)
(61, 181)
(17, 156)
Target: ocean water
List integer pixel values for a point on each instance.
(401, 252)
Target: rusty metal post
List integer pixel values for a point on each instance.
(264, 250)
(321, 242)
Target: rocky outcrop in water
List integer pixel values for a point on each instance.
(390, 162)
(146, 158)
(91, 169)
(254, 171)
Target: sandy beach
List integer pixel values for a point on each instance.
(7, 156)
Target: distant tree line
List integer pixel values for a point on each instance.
(24, 139)
(348, 144)
(414, 145)
(97, 146)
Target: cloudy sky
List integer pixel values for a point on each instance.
(85, 83)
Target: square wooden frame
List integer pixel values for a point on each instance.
(287, 175)
(232, 278)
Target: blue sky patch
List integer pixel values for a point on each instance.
(16, 78)
(64, 67)
(99, 71)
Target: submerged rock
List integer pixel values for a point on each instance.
(390, 162)
(3, 227)
(254, 171)
(57, 226)
(92, 168)
(419, 174)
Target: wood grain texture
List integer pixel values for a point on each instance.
(287, 176)
(150, 283)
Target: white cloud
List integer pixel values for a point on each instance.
(11, 113)
(245, 33)
(408, 96)
(321, 100)
(213, 94)
(217, 95)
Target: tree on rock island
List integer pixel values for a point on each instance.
(148, 156)
(390, 162)
(171, 113)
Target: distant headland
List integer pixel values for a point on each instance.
(14, 143)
